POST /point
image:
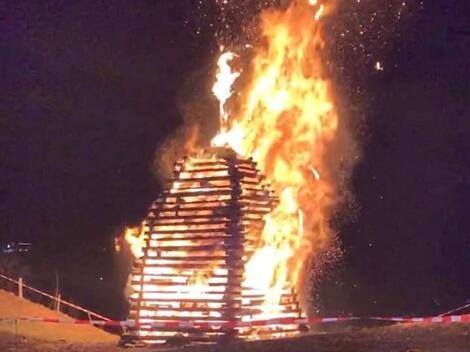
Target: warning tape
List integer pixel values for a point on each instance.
(465, 318)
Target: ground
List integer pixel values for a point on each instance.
(33, 336)
(44, 337)
(401, 338)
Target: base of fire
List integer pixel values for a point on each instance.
(199, 237)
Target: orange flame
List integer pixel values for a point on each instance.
(222, 88)
(286, 121)
(135, 237)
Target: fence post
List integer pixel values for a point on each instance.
(16, 335)
(57, 307)
(20, 287)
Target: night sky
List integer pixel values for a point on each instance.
(90, 89)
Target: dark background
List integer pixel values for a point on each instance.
(89, 90)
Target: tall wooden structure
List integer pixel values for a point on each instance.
(199, 235)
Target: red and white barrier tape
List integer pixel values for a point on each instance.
(465, 318)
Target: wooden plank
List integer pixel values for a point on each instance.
(213, 239)
(185, 231)
(205, 169)
(243, 180)
(228, 286)
(159, 223)
(242, 200)
(214, 275)
(192, 264)
(168, 284)
(199, 163)
(185, 300)
(215, 172)
(162, 242)
(223, 192)
(200, 213)
(225, 217)
(200, 179)
(241, 183)
(199, 248)
(198, 189)
(207, 311)
(216, 209)
(187, 307)
(221, 237)
(212, 217)
(185, 266)
(206, 258)
(186, 318)
(237, 292)
(179, 310)
(266, 199)
(164, 201)
(189, 204)
(230, 158)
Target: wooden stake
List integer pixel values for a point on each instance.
(20, 287)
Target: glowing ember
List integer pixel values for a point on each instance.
(319, 12)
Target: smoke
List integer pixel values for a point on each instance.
(198, 110)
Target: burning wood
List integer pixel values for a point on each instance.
(218, 245)
(198, 237)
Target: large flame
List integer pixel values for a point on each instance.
(222, 88)
(285, 122)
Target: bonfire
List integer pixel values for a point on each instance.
(229, 240)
